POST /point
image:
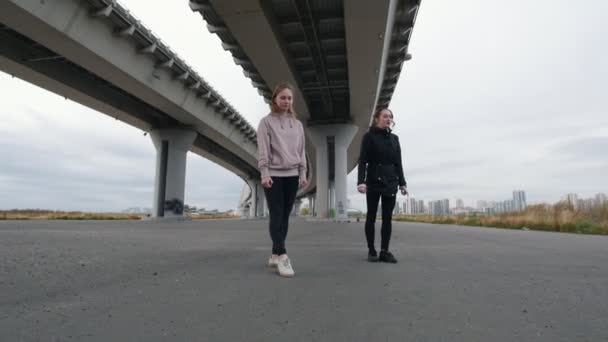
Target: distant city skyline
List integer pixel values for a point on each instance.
(413, 206)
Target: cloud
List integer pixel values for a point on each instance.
(486, 106)
(72, 158)
(583, 149)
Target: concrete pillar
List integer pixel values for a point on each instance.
(244, 211)
(332, 195)
(258, 201)
(319, 138)
(311, 205)
(343, 140)
(297, 205)
(262, 205)
(245, 202)
(172, 146)
(252, 199)
(342, 135)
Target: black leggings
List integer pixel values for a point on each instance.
(280, 198)
(388, 204)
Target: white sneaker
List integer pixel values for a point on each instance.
(284, 266)
(273, 261)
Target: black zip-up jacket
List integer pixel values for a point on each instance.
(380, 166)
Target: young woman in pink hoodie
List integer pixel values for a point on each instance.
(282, 163)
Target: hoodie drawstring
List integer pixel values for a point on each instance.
(281, 122)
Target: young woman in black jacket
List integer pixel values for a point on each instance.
(380, 175)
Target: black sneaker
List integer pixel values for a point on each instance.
(387, 257)
(372, 256)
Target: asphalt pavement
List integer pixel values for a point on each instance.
(207, 280)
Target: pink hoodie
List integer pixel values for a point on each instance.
(281, 146)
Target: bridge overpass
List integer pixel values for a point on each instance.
(344, 57)
(97, 53)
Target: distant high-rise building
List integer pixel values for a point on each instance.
(420, 209)
(499, 208)
(519, 200)
(413, 207)
(445, 206)
(441, 207)
(600, 199)
(485, 205)
(459, 203)
(396, 210)
(509, 206)
(410, 205)
(432, 208)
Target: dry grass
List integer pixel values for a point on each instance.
(35, 214)
(560, 217)
(212, 217)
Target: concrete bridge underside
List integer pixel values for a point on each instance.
(97, 54)
(344, 57)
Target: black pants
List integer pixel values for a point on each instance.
(280, 198)
(388, 204)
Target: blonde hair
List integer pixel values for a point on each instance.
(279, 88)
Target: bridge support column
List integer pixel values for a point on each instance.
(172, 146)
(311, 205)
(262, 205)
(331, 145)
(257, 198)
(297, 205)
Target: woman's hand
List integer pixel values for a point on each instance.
(362, 188)
(403, 190)
(267, 182)
(303, 182)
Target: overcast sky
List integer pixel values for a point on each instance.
(498, 96)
